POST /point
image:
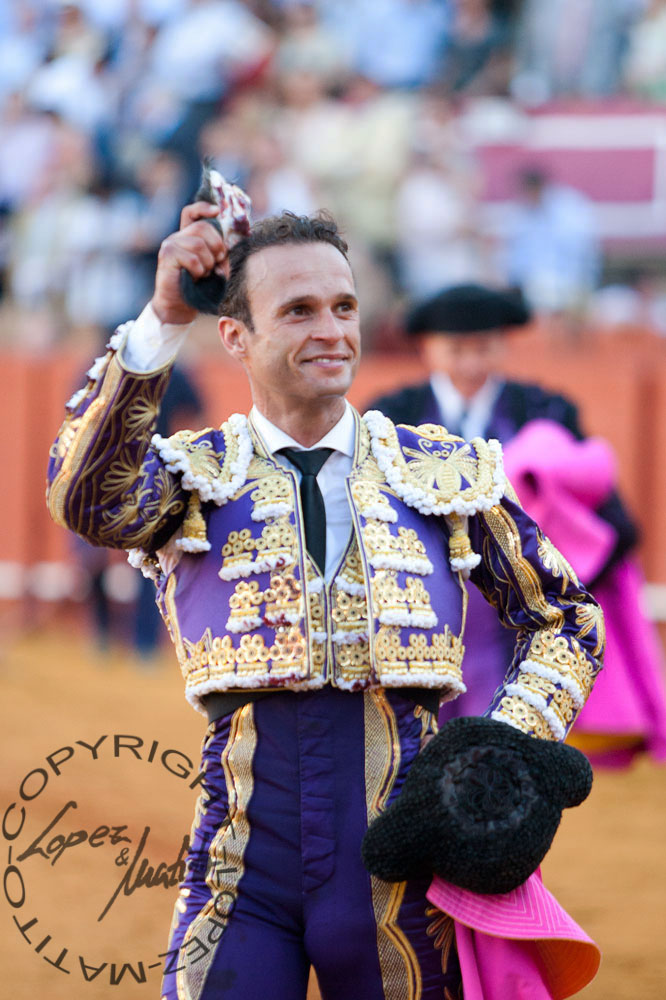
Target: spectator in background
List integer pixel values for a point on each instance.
(395, 43)
(478, 35)
(461, 335)
(307, 44)
(275, 185)
(571, 47)
(438, 232)
(645, 67)
(551, 249)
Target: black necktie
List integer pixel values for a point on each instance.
(314, 513)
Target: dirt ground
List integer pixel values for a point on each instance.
(607, 866)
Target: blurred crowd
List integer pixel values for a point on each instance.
(106, 110)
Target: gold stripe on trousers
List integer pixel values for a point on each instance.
(225, 859)
(401, 973)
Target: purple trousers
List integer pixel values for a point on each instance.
(275, 881)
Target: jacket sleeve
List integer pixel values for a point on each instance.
(559, 627)
(105, 481)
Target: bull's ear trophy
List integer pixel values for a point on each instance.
(233, 222)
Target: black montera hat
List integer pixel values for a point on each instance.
(467, 309)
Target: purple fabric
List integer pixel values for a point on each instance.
(561, 480)
(305, 896)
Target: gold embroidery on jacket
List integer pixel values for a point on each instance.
(554, 561)
(507, 537)
(524, 717)
(217, 659)
(147, 505)
(404, 550)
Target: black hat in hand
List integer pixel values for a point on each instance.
(479, 807)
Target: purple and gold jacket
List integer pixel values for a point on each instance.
(217, 523)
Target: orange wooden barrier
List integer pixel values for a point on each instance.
(618, 381)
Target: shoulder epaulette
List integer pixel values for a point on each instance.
(434, 471)
(212, 462)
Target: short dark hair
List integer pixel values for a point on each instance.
(278, 230)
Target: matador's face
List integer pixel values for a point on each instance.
(306, 345)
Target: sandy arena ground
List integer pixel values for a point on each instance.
(607, 867)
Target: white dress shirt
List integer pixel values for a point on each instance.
(150, 345)
(331, 478)
(467, 417)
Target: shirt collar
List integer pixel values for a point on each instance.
(454, 406)
(341, 437)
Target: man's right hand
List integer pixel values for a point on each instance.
(197, 247)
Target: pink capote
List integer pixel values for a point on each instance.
(560, 481)
(520, 945)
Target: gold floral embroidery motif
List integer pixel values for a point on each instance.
(590, 618)
(140, 416)
(442, 931)
(429, 724)
(203, 459)
(445, 467)
(554, 561)
(148, 506)
(122, 474)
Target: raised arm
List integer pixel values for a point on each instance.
(105, 482)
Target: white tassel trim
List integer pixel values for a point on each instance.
(98, 368)
(410, 564)
(74, 400)
(414, 678)
(466, 564)
(539, 704)
(176, 460)
(116, 339)
(423, 619)
(549, 674)
(379, 512)
(243, 624)
(404, 617)
(349, 586)
(236, 570)
(388, 460)
(499, 716)
(293, 682)
(262, 512)
(192, 545)
(280, 617)
(319, 636)
(315, 585)
(349, 638)
(138, 559)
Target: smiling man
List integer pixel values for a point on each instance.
(311, 568)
